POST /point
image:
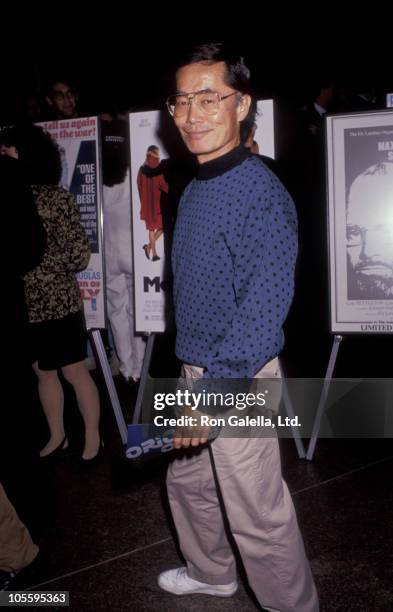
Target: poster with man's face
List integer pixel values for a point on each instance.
(360, 177)
(370, 234)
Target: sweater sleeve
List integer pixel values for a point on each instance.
(264, 264)
(31, 232)
(68, 248)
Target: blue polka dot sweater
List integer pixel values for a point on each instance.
(234, 254)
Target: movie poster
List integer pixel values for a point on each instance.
(360, 182)
(78, 140)
(149, 196)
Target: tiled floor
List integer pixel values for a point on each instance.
(105, 534)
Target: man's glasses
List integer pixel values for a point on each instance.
(206, 101)
(62, 95)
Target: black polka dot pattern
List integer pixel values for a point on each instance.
(234, 254)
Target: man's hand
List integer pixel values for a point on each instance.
(193, 435)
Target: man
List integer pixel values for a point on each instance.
(17, 549)
(370, 234)
(62, 99)
(234, 253)
(325, 96)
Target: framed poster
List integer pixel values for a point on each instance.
(78, 140)
(360, 191)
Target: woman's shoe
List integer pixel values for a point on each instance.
(155, 258)
(57, 451)
(93, 461)
(146, 249)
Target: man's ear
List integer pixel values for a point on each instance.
(48, 101)
(243, 107)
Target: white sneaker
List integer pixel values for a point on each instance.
(178, 582)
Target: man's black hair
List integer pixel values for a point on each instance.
(237, 73)
(59, 78)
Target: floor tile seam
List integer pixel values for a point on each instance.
(340, 476)
(100, 563)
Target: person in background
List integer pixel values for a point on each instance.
(62, 99)
(18, 469)
(130, 348)
(57, 327)
(17, 549)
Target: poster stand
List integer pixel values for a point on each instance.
(102, 360)
(323, 398)
(359, 170)
(290, 412)
(143, 379)
(99, 349)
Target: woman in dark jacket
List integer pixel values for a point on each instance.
(57, 327)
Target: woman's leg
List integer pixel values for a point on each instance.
(156, 234)
(52, 400)
(88, 400)
(152, 246)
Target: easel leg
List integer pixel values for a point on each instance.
(144, 375)
(95, 339)
(323, 398)
(295, 432)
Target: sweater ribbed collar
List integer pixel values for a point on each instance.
(222, 164)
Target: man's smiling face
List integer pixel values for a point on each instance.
(209, 136)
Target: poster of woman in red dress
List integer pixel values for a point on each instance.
(151, 189)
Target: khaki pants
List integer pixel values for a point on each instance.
(17, 549)
(260, 513)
